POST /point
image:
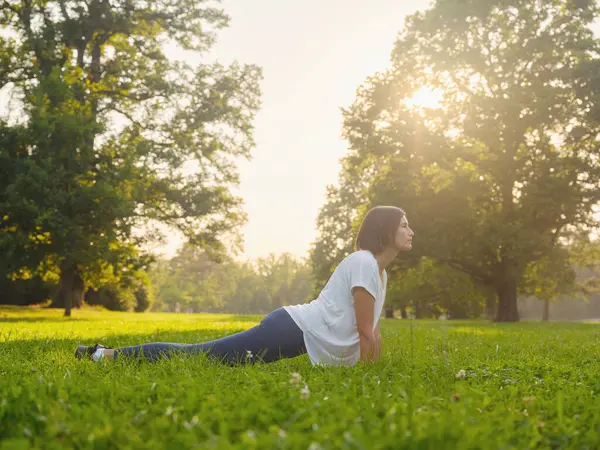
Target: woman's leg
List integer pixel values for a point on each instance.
(277, 336)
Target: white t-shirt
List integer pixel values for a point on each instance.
(329, 322)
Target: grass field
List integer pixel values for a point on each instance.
(438, 385)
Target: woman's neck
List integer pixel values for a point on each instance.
(385, 258)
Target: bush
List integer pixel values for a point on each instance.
(112, 296)
(25, 292)
(143, 300)
(132, 293)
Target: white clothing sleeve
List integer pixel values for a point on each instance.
(364, 274)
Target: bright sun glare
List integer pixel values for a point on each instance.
(425, 97)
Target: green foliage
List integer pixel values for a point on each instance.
(113, 297)
(585, 256)
(550, 277)
(535, 382)
(25, 292)
(286, 280)
(115, 136)
(143, 298)
(133, 292)
(337, 221)
(431, 289)
(494, 177)
(571, 273)
(196, 281)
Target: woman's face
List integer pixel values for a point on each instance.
(404, 236)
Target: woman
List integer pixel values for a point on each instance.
(340, 327)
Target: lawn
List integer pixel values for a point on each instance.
(438, 384)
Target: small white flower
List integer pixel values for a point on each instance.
(296, 378)
(461, 374)
(304, 392)
(249, 354)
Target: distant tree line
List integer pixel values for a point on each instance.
(195, 282)
(190, 281)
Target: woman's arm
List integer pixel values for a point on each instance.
(364, 308)
(378, 341)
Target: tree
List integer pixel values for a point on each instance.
(115, 137)
(132, 291)
(340, 217)
(570, 273)
(506, 162)
(251, 295)
(207, 284)
(287, 280)
(431, 289)
(549, 278)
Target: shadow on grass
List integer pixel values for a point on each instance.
(62, 320)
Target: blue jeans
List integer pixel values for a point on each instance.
(277, 336)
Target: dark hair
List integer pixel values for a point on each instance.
(378, 229)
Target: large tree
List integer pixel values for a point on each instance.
(337, 221)
(113, 135)
(507, 160)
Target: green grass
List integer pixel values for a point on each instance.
(527, 385)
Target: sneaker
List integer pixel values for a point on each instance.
(87, 352)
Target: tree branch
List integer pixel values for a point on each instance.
(14, 80)
(475, 272)
(63, 9)
(137, 98)
(461, 85)
(128, 116)
(11, 7)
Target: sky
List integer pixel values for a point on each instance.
(314, 55)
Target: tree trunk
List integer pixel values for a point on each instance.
(70, 290)
(389, 313)
(417, 309)
(507, 298)
(546, 316)
(490, 304)
(403, 312)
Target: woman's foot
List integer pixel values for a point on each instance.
(95, 352)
